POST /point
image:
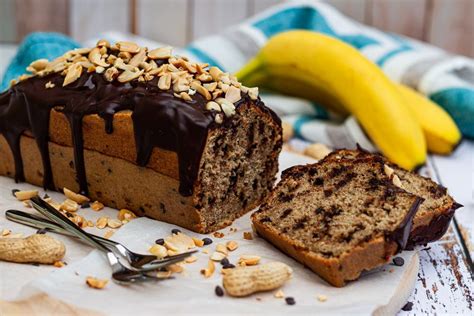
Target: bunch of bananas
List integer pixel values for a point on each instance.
(401, 122)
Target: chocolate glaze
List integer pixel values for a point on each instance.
(159, 120)
(402, 232)
(434, 230)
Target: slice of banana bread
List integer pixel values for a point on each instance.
(338, 218)
(433, 216)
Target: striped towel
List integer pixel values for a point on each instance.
(445, 78)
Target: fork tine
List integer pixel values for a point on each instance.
(180, 256)
(166, 262)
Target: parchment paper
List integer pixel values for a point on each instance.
(189, 292)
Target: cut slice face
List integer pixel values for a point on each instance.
(433, 216)
(338, 217)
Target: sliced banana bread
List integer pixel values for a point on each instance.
(433, 216)
(140, 129)
(337, 218)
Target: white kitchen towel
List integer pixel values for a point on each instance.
(445, 78)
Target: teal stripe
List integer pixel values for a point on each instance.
(203, 57)
(392, 53)
(33, 47)
(307, 18)
(459, 103)
(298, 124)
(321, 112)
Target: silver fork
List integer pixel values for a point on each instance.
(136, 260)
(120, 273)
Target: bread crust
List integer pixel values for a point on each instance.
(155, 196)
(348, 266)
(120, 143)
(112, 172)
(335, 271)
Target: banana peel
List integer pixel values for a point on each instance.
(441, 132)
(326, 70)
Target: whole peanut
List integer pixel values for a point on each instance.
(38, 248)
(243, 281)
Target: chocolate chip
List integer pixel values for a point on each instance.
(175, 231)
(15, 191)
(85, 205)
(42, 231)
(228, 266)
(207, 241)
(219, 291)
(398, 261)
(160, 241)
(407, 307)
(45, 196)
(225, 261)
(290, 300)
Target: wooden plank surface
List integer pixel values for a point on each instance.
(402, 16)
(41, 15)
(90, 17)
(446, 284)
(166, 21)
(451, 25)
(7, 21)
(41, 305)
(356, 9)
(456, 172)
(212, 16)
(256, 6)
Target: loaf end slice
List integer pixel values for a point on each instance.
(338, 219)
(435, 213)
(238, 167)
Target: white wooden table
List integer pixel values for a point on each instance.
(446, 278)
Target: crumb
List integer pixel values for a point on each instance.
(218, 235)
(108, 234)
(59, 264)
(96, 283)
(248, 236)
(279, 294)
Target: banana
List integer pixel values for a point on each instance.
(441, 133)
(338, 76)
(439, 129)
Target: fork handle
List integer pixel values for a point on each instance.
(47, 210)
(40, 223)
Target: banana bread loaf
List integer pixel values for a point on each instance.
(338, 218)
(143, 130)
(433, 216)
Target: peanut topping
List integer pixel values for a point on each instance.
(126, 61)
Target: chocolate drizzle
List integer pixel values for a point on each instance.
(402, 232)
(435, 229)
(159, 120)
